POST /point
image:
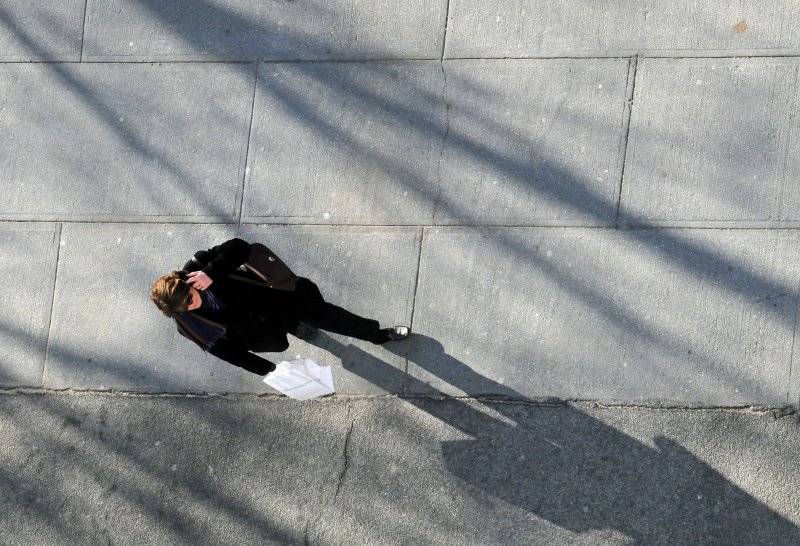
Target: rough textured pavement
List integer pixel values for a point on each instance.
(565, 201)
(110, 469)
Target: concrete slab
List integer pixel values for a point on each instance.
(368, 271)
(151, 470)
(39, 30)
(713, 143)
(106, 334)
(345, 143)
(684, 315)
(533, 142)
(28, 270)
(464, 472)
(515, 28)
(415, 471)
(248, 29)
(107, 142)
(89, 349)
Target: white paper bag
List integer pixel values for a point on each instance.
(301, 379)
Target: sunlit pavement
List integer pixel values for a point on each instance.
(586, 214)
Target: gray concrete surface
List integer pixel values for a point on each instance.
(517, 28)
(533, 142)
(595, 224)
(711, 144)
(102, 469)
(247, 29)
(26, 300)
(106, 334)
(124, 142)
(38, 30)
(535, 310)
(370, 157)
(103, 349)
(346, 143)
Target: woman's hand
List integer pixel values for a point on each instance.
(199, 280)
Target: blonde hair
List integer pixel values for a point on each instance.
(171, 294)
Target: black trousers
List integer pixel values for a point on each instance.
(341, 321)
(328, 317)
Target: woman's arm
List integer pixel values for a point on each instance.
(219, 261)
(239, 357)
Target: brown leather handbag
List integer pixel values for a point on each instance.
(264, 264)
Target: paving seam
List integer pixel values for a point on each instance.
(444, 32)
(57, 240)
(626, 123)
(653, 54)
(83, 30)
(404, 385)
(761, 54)
(210, 59)
(777, 410)
(609, 227)
(247, 151)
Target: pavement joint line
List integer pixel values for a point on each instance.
(648, 54)
(57, 238)
(153, 62)
(221, 60)
(83, 30)
(351, 61)
(627, 116)
(413, 306)
(783, 410)
(609, 227)
(761, 54)
(247, 150)
(444, 32)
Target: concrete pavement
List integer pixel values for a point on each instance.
(111, 469)
(566, 201)
(441, 177)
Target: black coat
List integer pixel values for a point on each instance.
(256, 317)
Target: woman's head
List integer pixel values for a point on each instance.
(172, 295)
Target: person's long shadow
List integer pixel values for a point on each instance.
(570, 468)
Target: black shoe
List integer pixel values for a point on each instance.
(305, 332)
(396, 333)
